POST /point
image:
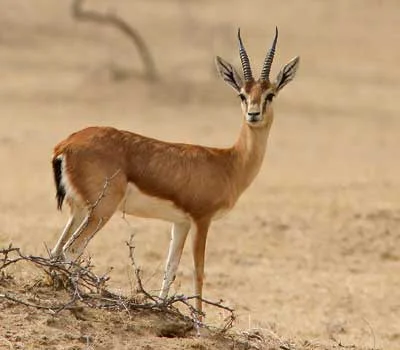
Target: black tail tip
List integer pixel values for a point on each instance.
(60, 190)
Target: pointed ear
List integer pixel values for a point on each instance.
(228, 73)
(287, 73)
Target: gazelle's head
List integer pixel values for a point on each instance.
(257, 95)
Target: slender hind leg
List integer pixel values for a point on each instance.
(76, 217)
(178, 236)
(92, 223)
(78, 241)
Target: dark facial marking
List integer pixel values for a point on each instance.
(269, 97)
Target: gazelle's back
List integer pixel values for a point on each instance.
(94, 154)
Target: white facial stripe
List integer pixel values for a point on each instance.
(253, 108)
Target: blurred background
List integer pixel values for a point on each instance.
(311, 250)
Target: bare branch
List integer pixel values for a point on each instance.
(113, 20)
(5, 261)
(136, 270)
(85, 287)
(91, 207)
(36, 306)
(102, 194)
(169, 303)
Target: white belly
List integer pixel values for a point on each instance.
(139, 204)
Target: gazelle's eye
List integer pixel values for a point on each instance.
(269, 97)
(242, 97)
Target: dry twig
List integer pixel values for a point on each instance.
(170, 302)
(113, 20)
(85, 287)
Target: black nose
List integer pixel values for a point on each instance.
(253, 117)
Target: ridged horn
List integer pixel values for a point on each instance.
(248, 76)
(269, 58)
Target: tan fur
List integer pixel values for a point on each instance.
(256, 88)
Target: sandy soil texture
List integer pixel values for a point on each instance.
(311, 250)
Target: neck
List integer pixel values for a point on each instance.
(249, 151)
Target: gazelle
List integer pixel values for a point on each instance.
(100, 170)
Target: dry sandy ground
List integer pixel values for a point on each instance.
(311, 250)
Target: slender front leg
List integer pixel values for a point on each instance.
(179, 233)
(199, 248)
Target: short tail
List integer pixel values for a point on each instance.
(60, 190)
